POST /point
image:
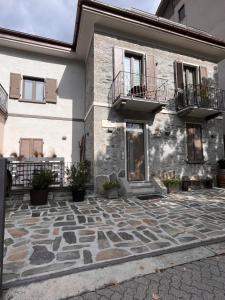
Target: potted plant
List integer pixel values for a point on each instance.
(221, 173)
(111, 189)
(78, 176)
(172, 184)
(41, 181)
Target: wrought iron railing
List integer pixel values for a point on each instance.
(3, 99)
(139, 86)
(22, 172)
(200, 96)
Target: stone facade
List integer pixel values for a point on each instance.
(165, 152)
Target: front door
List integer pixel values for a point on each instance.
(135, 143)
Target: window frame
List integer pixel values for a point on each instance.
(181, 13)
(34, 80)
(189, 124)
(139, 56)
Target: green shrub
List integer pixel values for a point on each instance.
(111, 184)
(78, 175)
(172, 182)
(42, 179)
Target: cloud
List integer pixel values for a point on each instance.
(54, 18)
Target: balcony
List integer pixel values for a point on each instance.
(200, 101)
(3, 100)
(136, 92)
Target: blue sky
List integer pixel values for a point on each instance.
(54, 18)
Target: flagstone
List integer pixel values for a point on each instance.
(18, 232)
(41, 256)
(20, 255)
(111, 254)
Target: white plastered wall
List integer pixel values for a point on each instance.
(59, 125)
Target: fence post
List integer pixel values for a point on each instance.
(3, 176)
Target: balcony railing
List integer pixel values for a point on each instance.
(199, 96)
(3, 99)
(139, 87)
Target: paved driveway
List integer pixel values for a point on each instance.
(201, 280)
(64, 236)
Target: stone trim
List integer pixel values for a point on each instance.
(46, 117)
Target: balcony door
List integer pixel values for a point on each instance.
(135, 145)
(133, 74)
(190, 81)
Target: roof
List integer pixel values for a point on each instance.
(104, 11)
(161, 8)
(34, 38)
(149, 19)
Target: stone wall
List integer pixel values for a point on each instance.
(166, 152)
(2, 125)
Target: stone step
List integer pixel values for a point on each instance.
(143, 191)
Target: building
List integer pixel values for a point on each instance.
(141, 92)
(205, 15)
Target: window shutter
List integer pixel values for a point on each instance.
(179, 79)
(203, 76)
(118, 60)
(25, 148)
(190, 145)
(50, 90)
(38, 146)
(151, 77)
(198, 144)
(194, 143)
(15, 86)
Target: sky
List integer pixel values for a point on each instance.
(54, 18)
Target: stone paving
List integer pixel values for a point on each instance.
(201, 280)
(64, 235)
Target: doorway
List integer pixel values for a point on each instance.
(136, 154)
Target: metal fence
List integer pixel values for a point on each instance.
(139, 86)
(201, 96)
(22, 172)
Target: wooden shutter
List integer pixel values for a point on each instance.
(25, 148)
(50, 90)
(38, 146)
(190, 146)
(151, 76)
(203, 76)
(194, 143)
(15, 86)
(118, 60)
(179, 78)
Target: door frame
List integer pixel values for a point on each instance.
(146, 149)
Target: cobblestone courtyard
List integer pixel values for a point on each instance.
(64, 235)
(200, 280)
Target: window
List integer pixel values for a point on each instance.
(133, 72)
(31, 147)
(194, 143)
(181, 13)
(33, 89)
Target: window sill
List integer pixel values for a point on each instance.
(30, 101)
(201, 162)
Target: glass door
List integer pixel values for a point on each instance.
(133, 74)
(190, 84)
(135, 145)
